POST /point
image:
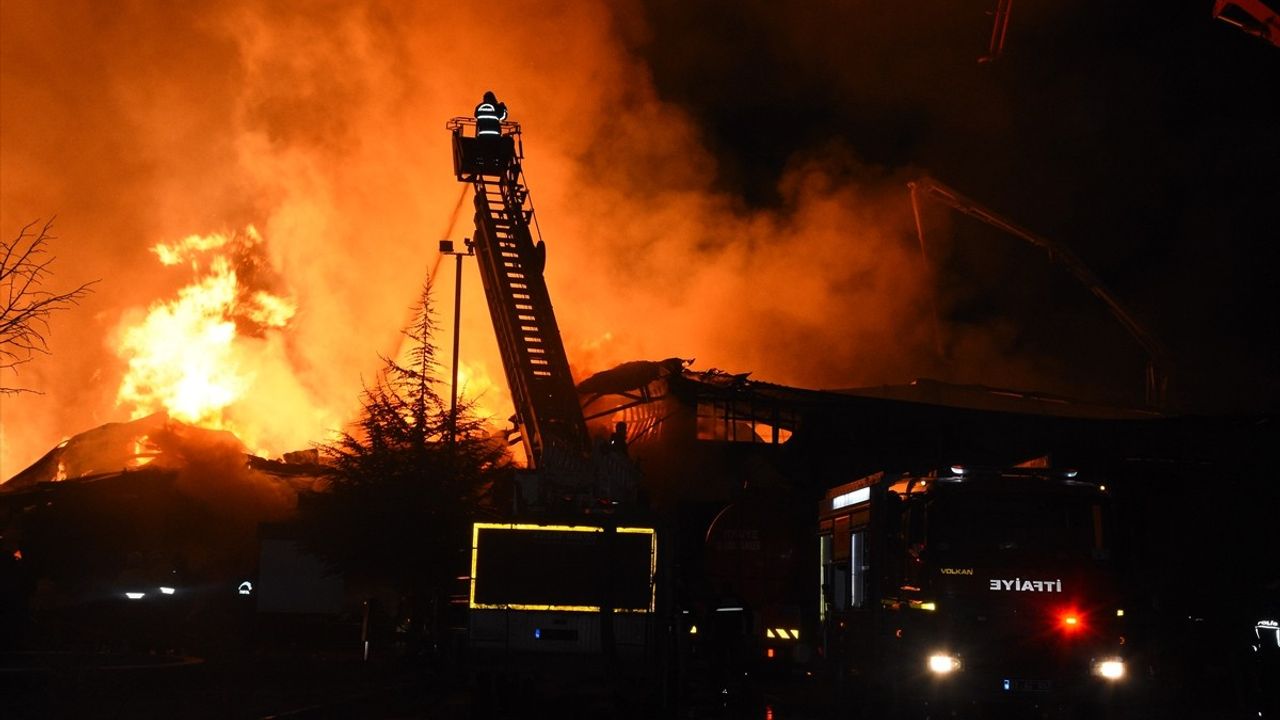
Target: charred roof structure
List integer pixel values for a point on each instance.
(690, 428)
(138, 508)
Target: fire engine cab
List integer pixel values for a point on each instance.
(964, 587)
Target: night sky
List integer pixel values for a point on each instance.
(1141, 135)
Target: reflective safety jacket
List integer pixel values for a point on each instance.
(489, 118)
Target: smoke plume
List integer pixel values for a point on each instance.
(322, 126)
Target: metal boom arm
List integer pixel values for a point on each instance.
(1157, 376)
(548, 414)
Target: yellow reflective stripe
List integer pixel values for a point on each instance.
(554, 608)
(475, 547)
(559, 528)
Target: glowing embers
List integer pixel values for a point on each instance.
(144, 451)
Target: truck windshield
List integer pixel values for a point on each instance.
(1039, 525)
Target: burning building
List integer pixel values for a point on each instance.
(151, 510)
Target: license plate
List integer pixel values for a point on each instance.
(1023, 685)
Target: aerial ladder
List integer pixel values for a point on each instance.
(548, 414)
(1158, 365)
(594, 552)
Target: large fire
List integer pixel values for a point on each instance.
(190, 356)
(211, 355)
(323, 126)
(478, 389)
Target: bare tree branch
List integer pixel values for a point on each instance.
(25, 306)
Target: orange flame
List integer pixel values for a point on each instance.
(144, 451)
(475, 386)
(188, 356)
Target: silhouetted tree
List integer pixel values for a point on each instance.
(402, 496)
(25, 304)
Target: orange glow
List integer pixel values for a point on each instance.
(185, 249)
(143, 451)
(479, 390)
(189, 356)
(323, 126)
(768, 652)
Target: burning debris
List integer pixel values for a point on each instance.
(153, 510)
(208, 465)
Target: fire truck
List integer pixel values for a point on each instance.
(966, 586)
(571, 575)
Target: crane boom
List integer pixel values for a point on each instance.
(548, 414)
(1157, 375)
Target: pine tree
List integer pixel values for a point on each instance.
(402, 497)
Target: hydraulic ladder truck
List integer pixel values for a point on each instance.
(548, 416)
(571, 576)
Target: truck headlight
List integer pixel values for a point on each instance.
(1109, 668)
(943, 663)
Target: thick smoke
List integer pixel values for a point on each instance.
(211, 469)
(323, 126)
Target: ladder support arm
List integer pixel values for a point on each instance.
(1158, 358)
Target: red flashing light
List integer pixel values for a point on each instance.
(768, 652)
(1071, 621)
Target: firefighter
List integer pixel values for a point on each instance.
(489, 116)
